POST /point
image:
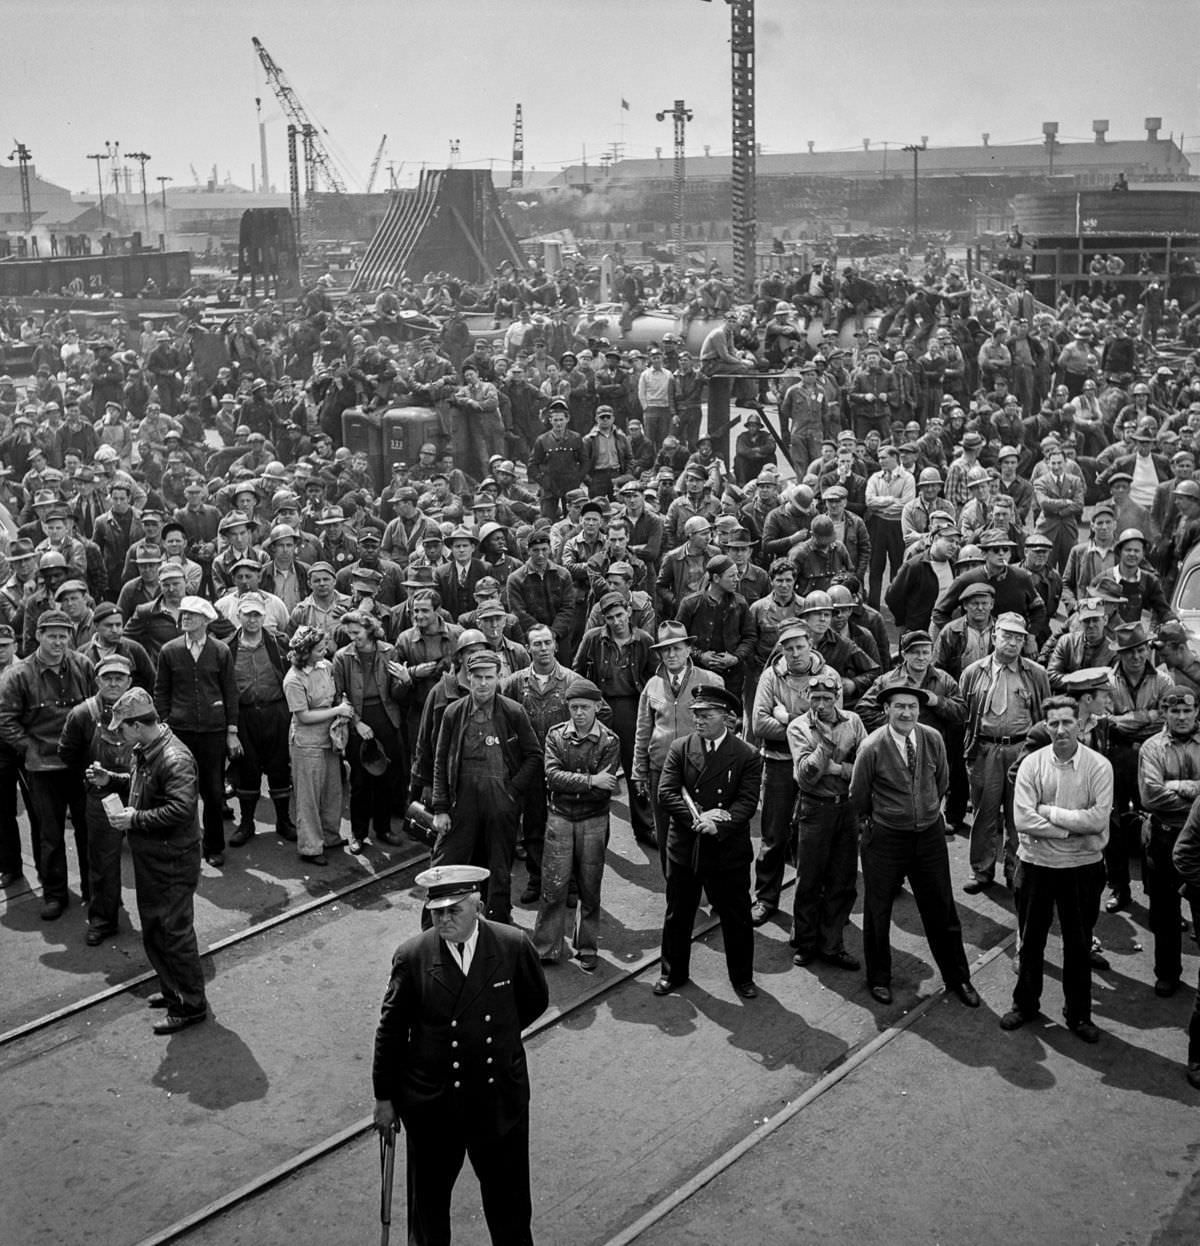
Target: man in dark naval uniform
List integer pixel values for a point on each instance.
(709, 790)
(449, 1062)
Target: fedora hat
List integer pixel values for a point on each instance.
(671, 633)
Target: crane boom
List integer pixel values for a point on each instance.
(289, 101)
(375, 164)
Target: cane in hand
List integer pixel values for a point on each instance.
(387, 1171)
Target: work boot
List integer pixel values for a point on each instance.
(285, 828)
(245, 830)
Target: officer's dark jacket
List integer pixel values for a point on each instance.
(446, 1043)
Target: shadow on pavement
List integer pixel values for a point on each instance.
(212, 1067)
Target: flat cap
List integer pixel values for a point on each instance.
(199, 605)
(1011, 621)
(1089, 679)
(136, 703)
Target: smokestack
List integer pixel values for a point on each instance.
(866, 144)
(253, 183)
(985, 139)
(1100, 129)
(265, 180)
(1153, 125)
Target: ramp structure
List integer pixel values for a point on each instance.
(450, 222)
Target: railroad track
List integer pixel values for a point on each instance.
(349, 1134)
(302, 909)
(307, 1163)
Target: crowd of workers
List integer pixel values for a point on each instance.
(569, 595)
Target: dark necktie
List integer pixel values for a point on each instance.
(910, 755)
(458, 947)
(676, 684)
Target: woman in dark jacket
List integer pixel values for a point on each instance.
(367, 674)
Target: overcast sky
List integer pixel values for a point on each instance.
(179, 80)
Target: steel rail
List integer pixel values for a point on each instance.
(334, 1142)
(838, 1069)
(239, 936)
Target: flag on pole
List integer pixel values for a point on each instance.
(625, 104)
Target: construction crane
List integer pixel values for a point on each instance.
(375, 164)
(518, 157)
(289, 101)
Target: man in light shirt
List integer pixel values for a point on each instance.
(1061, 807)
(654, 394)
(888, 491)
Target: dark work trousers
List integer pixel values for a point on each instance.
(657, 423)
(553, 507)
(1193, 1054)
(533, 828)
(1123, 827)
(104, 864)
(728, 889)
(501, 1163)
(993, 835)
(263, 732)
(826, 874)
(51, 794)
(12, 778)
(1041, 891)
(624, 723)
(600, 482)
(483, 831)
(372, 796)
(689, 425)
(890, 856)
(1166, 908)
(208, 748)
(662, 820)
(960, 788)
(774, 849)
(165, 873)
(887, 548)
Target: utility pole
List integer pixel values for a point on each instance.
(455, 149)
(98, 157)
(518, 157)
(22, 155)
(681, 115)
(162, 183)
(141, 157)
(916, 150)
(114, 155)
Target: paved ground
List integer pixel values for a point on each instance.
(952, 1132)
